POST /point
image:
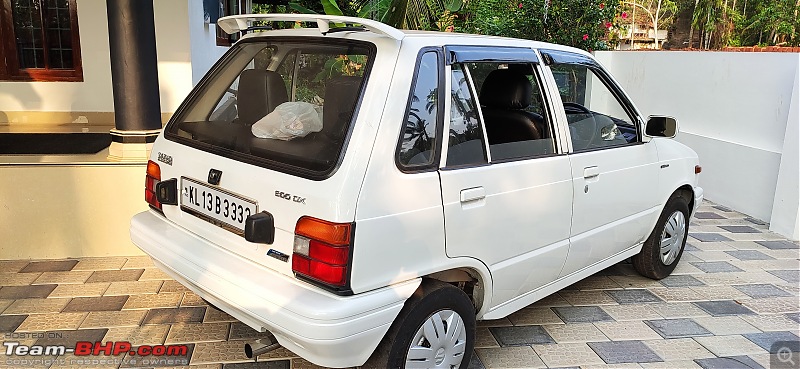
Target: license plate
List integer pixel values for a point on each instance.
(215, 204)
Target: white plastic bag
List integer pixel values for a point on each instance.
(289, 120)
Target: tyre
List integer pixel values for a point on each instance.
(663, 249)
(435, 329)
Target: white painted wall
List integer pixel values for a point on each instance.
(204, 49)
(94, 94)
(734, 110)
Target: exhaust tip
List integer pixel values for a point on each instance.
(254, 349)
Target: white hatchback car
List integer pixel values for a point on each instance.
(355, 185)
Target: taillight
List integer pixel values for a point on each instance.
(322, 250)
(150, 182)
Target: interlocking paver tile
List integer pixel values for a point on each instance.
(102, 263)
(746, 245)
(215, 315)
(709, 237)
(627, 330)
(49, 266)
(711, 246)
(681, 281)
(181, 358)
(729, 345)
(739, 229)
(710, 256)
(175, 315)
(26, 292)
(4, 304)
(521, 336)
(510, 357)
(273, 364)
(300, 363)
(70, 361)
(171, 286)
(80, 290)
(678, 310)
(731, 362)
(241, 331)
(230, 351)
(160, 300)
(778, 245)
(51, 322)
(756, 221)
(715, 266)
(782, 254)
(9, 323)
(774, 305)
(724, 307)
(633, 296)
(12, 266)
(682, 364)
(17, 279)
(115, 275)
(791, 276)
(686, 268)
(628, 281)
(749, 255)
(70, 338)
(141, 335)
(794, 316)
(581, 314)
(676, 294)
(719, 293)
(550, 301)
(763, 236)
(187, 333)
(484, 338)
(758, 291)
(36, 306)
(612, 366)
(133, 288)
(595, 282)
(138, 262)
(105, 303)
(678, 349)
(631, 312)
(772, 323)
(567, 354)
(154, 274)
(534, 316)
(192, 299)
(726, 325)
(616, 352)
(707, 215)
(767, 340)
(75, 277)
(575, 333)
(587, 298)
(504, 322)
(106, 319)
(677, 328)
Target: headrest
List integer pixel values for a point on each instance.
(506, 89)
(260, 91)
(340, 100)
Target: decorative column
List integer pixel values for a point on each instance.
(134, 76)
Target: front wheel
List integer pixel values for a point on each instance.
(663, 249)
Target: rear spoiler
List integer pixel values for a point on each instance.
(236, 23)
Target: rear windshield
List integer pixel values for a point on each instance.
(281, 104)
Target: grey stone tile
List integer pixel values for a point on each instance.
(708, 215)
(768, 340)
(510, 357)
(582, 314)
(677, 328)
(794, 316)
(721, 308)
(739, 229)
(758, 291)
(8, 323)
(105, 303)
(716, 267)
(617, 352)
(115, 275)
(709, 237)
(749, 255)
(26, 292)
(779, 245)
(273, 364)
(729, 362)
(475, 362)
(690, 247)
(633, 296)
(241, 331)
(175, 315)
(791, 276)
(681, 281)
(756, 221)
(49, 266)
(69, 338)
(521, 336)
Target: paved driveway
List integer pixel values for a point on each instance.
(733, 295)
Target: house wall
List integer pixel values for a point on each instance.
(739, 111)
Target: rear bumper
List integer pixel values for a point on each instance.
(328, 330)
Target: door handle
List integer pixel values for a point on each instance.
(472, 194)
(591, 172)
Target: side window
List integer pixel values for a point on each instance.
(516, 122)
(596, 117)
(418, 142)
(465, 142)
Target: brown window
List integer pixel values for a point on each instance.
(226, 8)
(39, 41)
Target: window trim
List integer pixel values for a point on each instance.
(437, 152)
(9, 66)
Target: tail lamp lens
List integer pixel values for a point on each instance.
(150, 182)
(322, 250)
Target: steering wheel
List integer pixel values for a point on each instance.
(585, 130)
(572, 108)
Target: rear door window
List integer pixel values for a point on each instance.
(284, 105)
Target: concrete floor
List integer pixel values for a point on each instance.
(731, 298)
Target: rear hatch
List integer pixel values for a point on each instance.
(266, 130)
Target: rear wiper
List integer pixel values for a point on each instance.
(345, 29)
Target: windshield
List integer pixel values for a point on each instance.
(280, 104)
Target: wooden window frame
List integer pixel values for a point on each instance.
(9, 62)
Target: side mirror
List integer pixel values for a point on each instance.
(661, 126)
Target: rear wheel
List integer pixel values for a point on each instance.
(663, 249)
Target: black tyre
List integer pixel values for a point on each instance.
(435, 329)
(663, 249)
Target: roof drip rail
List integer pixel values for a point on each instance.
(236, 23)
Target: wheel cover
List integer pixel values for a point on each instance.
(439, 343)
(672, 237)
